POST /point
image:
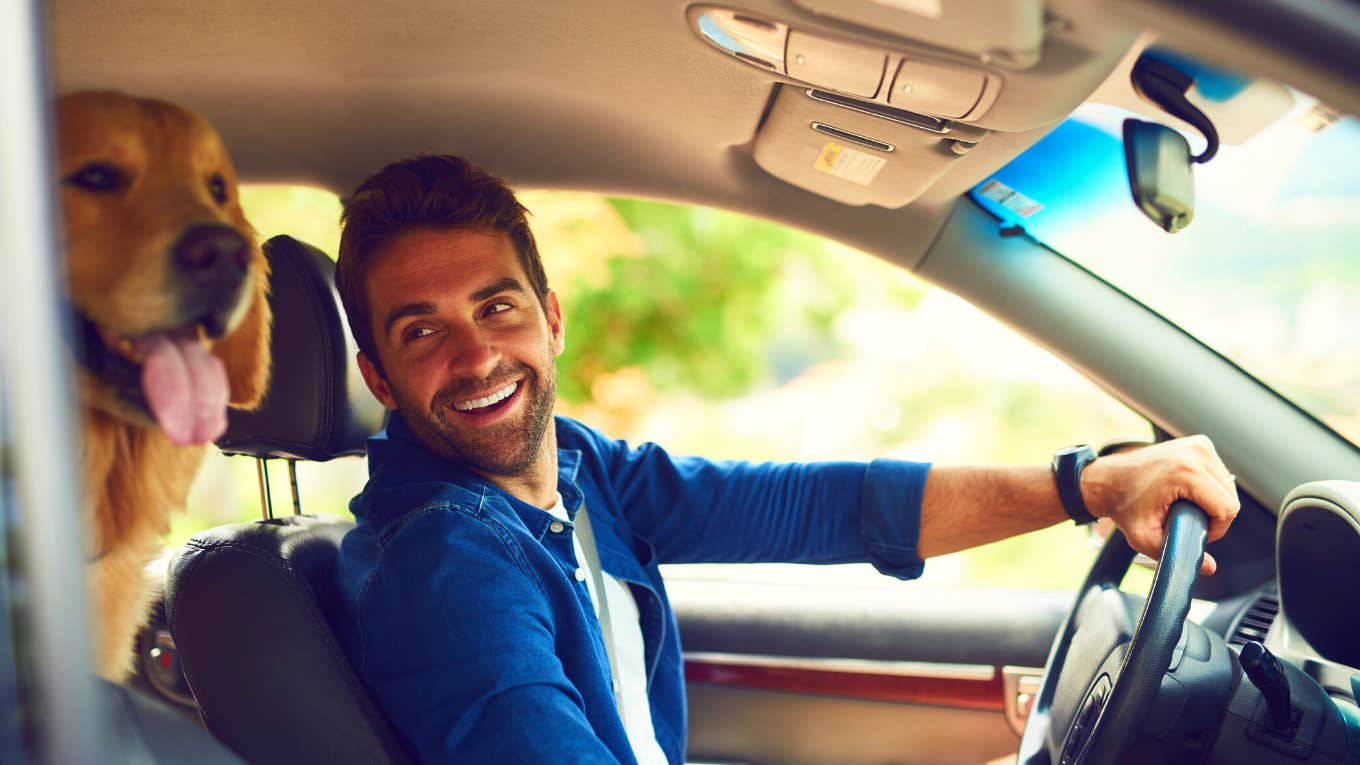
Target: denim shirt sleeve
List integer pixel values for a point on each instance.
(462, 657)
(695, 510)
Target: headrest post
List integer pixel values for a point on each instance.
(292, 484)
(266, 502)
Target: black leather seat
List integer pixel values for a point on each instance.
(248, 603)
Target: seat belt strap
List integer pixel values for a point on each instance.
(587, 537)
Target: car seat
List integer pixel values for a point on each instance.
(248, 603)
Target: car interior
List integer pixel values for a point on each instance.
(875, 123)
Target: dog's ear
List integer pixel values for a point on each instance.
(245, 352)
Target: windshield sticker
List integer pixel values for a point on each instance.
(1009, 198)
(854, 166)
(1319, 118)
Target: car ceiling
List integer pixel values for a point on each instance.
(614, 96)
(622, 97)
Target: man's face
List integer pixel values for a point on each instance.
(467, 349)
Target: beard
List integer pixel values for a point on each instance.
(507, 448)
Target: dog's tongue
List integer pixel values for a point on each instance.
(186, 387)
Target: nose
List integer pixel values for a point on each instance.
(474, 356)
(212, 255)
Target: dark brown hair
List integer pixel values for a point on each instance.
(432, 192)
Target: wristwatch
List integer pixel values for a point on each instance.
(1067, 466)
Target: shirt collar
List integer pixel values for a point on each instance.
(396, 458)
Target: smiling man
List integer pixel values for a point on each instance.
(502, 586)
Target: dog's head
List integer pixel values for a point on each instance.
(164, 273)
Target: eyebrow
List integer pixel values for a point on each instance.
(508, 284)
(410, 309)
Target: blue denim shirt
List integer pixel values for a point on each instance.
(467, 622)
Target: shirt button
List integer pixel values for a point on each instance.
(580, 575)
(556, 527)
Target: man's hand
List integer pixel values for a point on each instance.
(1135, 489)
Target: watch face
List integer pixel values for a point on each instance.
(1066, 453)
(1073, 449)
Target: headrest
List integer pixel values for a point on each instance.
(317, 407)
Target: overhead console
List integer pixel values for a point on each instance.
(872, 73)
(1008, 34)
(878, 99)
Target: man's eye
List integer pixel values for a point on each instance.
(496, 308)
(415, 333)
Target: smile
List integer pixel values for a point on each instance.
(489, 400)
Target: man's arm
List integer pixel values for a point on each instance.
(968, 506)
(694, 510)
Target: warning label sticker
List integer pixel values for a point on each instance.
(1009, 198)
(852, 165)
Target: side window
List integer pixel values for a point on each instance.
(729, 337)
(721, 335)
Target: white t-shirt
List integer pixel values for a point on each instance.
(634, 708)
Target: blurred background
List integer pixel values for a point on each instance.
(734, 338)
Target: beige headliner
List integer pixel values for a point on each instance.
(616, 96)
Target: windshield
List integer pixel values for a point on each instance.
(1268, 272)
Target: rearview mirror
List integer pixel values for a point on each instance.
(1159, 160)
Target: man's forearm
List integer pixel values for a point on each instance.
(965, 507)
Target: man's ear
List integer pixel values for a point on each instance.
(375, 382)
(553, 309)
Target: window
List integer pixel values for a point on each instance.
(720, 335)
(1266, 273)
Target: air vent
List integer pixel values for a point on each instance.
(1255, 623)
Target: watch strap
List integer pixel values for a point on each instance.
(1067, 467)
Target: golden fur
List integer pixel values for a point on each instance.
(118, 246)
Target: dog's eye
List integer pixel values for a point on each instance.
(97, 176)
(218, 188)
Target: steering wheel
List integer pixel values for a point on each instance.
(1103, 673)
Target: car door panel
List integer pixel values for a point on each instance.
(781, 673)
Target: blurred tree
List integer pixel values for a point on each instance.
(698, 300)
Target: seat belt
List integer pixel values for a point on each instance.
(587, 537)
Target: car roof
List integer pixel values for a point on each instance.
(614, 96)
(625, 98)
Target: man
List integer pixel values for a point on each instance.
(502, 580)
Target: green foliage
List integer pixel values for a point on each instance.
(700, 307)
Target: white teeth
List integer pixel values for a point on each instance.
(494, 398)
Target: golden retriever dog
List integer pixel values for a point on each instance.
(168, 287)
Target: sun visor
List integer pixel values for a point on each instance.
(857, 152)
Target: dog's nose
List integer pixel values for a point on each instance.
(212, 252)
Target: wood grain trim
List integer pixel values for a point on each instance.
(898, 682)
